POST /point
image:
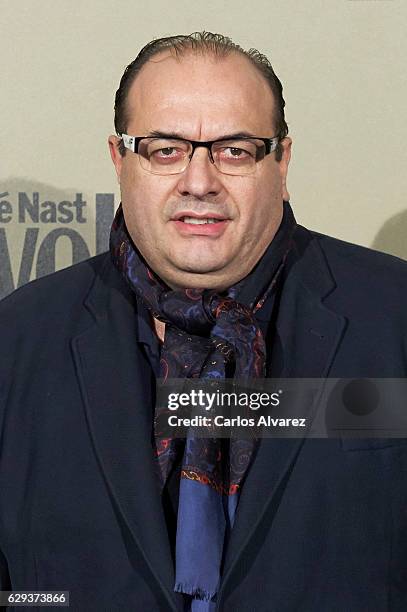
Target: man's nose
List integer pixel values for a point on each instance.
(200, 177)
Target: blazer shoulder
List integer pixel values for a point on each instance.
(359, 254)
(62, 287)
(359, 262)
(49, 307)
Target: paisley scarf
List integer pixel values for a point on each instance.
(207, 335)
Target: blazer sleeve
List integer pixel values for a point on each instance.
(6, 345)
(5, 582)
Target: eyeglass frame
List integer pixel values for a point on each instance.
(132, 143)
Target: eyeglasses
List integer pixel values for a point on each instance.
(237, 156)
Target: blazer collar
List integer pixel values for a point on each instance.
(307, 332)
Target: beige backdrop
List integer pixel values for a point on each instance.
(342, 64)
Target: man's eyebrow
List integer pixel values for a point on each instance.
(159, 134)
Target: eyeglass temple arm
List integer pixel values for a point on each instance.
(130, 142)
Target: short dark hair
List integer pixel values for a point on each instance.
(205, 43)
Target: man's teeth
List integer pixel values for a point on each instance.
(196, 221)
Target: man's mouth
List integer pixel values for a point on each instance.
(196, 221)
(199, 225)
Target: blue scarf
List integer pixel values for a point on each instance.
(207, 335)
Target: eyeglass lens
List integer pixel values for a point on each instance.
(170, 156)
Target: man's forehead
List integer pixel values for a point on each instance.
(221, 92)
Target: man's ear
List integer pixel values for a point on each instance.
(117, 159)
(283, 166)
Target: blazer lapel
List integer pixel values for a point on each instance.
(307, 336)
(116, 384)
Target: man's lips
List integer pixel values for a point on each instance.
(208, 215)
(203, 224)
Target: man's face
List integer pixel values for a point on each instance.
(201, 98)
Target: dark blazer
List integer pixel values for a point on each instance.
(321, 524)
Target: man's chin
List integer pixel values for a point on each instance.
(202, 275)
(193, 261)
(200, 269)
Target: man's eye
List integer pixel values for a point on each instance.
(235, 153)
(167, 154)
(167, 151)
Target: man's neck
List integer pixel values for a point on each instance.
(159, 328)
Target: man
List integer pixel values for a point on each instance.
(208, 276)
